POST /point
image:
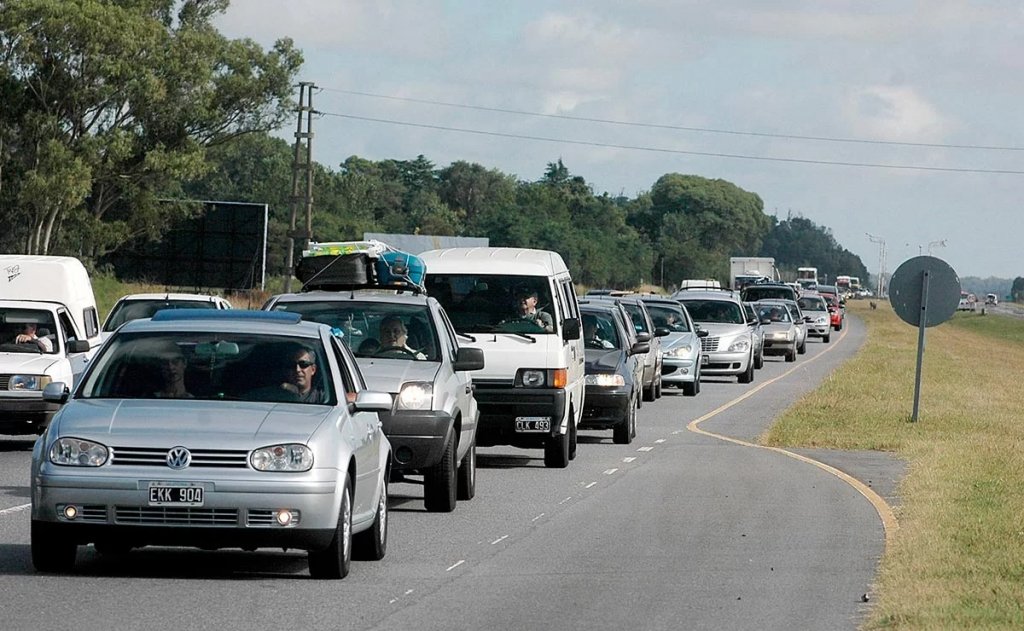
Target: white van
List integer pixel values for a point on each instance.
(518, 306)
(50, 299)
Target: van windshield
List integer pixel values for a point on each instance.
(495, 303)
(27, 331)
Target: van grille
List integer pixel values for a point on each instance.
(5, 380)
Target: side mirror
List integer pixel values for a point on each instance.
(766, 320)
(661, 332)
(703, 333)
(78, 346)
(640, 348)
(643, 336)
(570, 329)
(372, 401)
(56, 392)
(469, 359)
(808, 319)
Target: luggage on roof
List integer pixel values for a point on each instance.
(347, 265)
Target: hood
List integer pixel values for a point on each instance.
(718, 329)
(388, 375)
(31, 363)
(156, 421)
(505, 353)
(777, 326)
(673, 340)
(600, 360)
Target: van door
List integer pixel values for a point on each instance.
(79, 361)
(573, 349)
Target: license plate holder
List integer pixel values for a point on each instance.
(176, 494)
(704, 360)
(533, 424)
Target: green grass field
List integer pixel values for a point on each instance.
(957, 558)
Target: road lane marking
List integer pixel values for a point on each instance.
(565, 500)
(629, 459)
(457, 564)
(885, 512)
(537, 517)
(610, 471)
(409, 591)
(15, 509)
(645, 449)
(590, 485)
(659, 441)
(499, 539)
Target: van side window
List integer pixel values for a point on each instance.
(67, 326)
(569, 296)
(92, 322)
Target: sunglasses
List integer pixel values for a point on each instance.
(302, 363)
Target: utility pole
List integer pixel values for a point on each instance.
(881, 262)
(302, 165)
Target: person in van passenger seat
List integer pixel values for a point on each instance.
(28, 335)
(526, 309)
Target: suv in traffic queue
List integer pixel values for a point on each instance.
(729, 346)
(405, 345)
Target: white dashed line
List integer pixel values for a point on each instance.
(457, 564)
(610, 471)
(590, 485)
(678, 431)
(15, 509)
(392, 601)
(629, 459)
(660, 440)
(409, 591)
(565, 500)
(537, 517)
(499, 539)
(645, 449)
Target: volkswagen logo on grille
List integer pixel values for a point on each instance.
(178, 458)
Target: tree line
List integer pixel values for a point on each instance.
(110, 107)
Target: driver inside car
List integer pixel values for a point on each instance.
(394, 339)
(526, 309)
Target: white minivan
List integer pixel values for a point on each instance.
(519, 306)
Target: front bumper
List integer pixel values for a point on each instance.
(417, 437)
(236, 512)
(501, 405)
(675, 371)
(779, 347)
(24, 415)
(726, 363)
(819, 330)
(605, 407)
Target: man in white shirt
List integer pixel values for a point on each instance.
(28, 335)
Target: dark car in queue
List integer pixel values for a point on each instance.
(614, 370)
(215, 429)
(645, 332)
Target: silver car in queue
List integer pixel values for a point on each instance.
(819, 322)
(681, 348)
(196, 428)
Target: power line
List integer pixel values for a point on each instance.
(705, 130)
(480, 132)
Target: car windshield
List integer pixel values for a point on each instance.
(812, 303)
(495, 303)
(599, 331)
(375, 328)
(774, 313)
(718, 311)
(128, 310)
(30, 324)
(668, 317)
(211, 366)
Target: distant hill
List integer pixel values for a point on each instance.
(991, 285)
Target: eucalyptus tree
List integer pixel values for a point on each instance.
(111, 105)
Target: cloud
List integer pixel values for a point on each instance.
(895, 113)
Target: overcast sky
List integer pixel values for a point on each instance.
(937, 85)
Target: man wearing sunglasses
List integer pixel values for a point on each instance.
(298, 374)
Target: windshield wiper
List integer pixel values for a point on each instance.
(525, 336)
(465, 335)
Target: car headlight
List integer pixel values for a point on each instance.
(77, 452)
(289, 457)
(605, 380)
(683, 350)
(28, 382)
(739, 345)
(415, 395)
(822, 319)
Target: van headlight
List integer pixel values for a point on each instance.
(28, 382)
(415, 395)
(289, 457)
(77, 452)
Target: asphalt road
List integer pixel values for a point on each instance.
(689, 527)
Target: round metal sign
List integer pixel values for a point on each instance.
(906, 289)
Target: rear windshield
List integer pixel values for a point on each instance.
(718, 311)
(128, 310)
(669, 317)
(495, 303)
(211, 366)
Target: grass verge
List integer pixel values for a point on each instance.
(957, 560)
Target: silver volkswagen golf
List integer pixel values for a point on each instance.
(215, 429)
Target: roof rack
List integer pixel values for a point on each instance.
(356, 265)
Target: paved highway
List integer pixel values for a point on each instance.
(690, 527)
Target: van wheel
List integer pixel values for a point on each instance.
(573, 441)
(441, 482)
(556, 451)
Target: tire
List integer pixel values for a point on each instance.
(441, 482)
(334, 561)
(791, 355)
(556, 451)
(759, 360)
(50, 552)
(648, 392)
(748, 376)
(827, 338)
(802, 349)
(372, 544)
(690, 389)
(467, 474)
(622, 434)
(657, 389)
(573, 439)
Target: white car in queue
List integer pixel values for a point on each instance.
(215, 429)
(729, 345)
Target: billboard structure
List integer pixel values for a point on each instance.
(223, 247)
